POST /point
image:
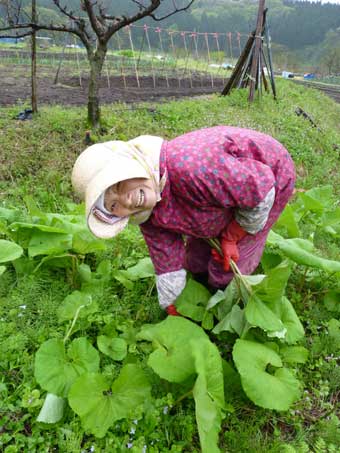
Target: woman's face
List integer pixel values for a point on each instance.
(130, 196)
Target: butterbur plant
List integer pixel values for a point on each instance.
(70, 371)
(251, 328)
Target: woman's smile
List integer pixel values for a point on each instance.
(130, 196)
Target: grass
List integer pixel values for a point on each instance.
(36, 160)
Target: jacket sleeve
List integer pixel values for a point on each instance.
(254, 219)
(239, 182)
(167, 252)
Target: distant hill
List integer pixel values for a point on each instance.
(292, 24)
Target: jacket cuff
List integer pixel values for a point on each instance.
(169, 286)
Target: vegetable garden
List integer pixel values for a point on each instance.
(89, 362)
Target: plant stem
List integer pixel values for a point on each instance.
(182, 397)
(67, 336)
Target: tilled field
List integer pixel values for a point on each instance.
(16, 87)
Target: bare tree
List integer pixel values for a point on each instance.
(94, 26)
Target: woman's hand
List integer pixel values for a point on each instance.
(171, 310)
(229, 239)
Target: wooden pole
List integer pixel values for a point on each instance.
(34, 60)
(236, 74)
(258, 43)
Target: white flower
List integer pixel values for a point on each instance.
(165, 410)
(129, 445)
(144, 449)
(132, 430)
(23, 307)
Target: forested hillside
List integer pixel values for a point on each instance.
(305, 35)
(292, 24)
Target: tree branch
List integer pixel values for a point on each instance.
(176, 10)
(63, 9)
(34, 27)
(120, 22)
(95, 23)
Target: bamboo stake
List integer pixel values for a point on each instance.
(151, 53)
(258, 42)
(133, 53)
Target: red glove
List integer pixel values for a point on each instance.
(171, 310)
(229, 239)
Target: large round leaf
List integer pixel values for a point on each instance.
(116, 348)
(208, 393)
(100, 405)
(272, 391)
(76, 302)
(9, 251)
(56, 370)
(172, 359)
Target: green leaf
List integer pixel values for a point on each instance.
(311, 204)
(193, 300)
(116, 348)
(333, 326)
(36, 226)
(74, 302)
(285, 311)
(10, 215)
(118, 275)
(9, 251)
(215, 299)
(208, 393)
(208, 321)
(233, 322)
(103, 270)
(64, 261)
(299, 250)
(287, 221)
(44, 243)
(85, 273)
(52, 410)
(143, 269)
(332, 301)
(2, 269)
(276, 391)
(274, 284)
(259, 315)
(323, 195)
(294, 354)
(55, 370)
(172, 359)
(270, 260)
(100, 405)
(84, 242)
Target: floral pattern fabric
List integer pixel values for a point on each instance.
(211, 174)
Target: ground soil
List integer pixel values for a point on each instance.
(15, 88)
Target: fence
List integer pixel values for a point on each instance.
(141, 57)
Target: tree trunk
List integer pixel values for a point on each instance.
(34, 61)
(96, 61)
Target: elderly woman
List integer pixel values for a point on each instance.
(220, 182)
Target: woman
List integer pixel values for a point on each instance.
(220, 182)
